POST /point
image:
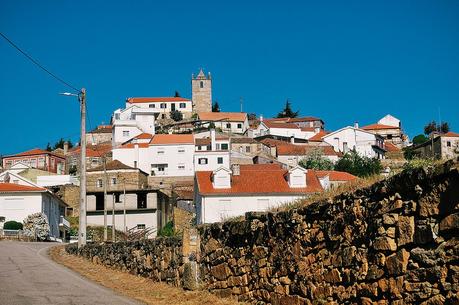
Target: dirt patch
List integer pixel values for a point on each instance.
(135, 287)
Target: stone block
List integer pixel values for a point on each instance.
(405, 230)
(385, 243)
(396, 263)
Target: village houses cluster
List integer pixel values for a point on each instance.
(162, 153)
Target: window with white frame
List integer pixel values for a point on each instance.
(228, 125)
(99, 183)
(239, 125)
(152, 106)
(181, 166)
(113, 180)
(163, 105)
(220, 160)
(41, 162)
(202, 161)
(224, 146)
(181, 150)
(182, 105)
(160, 151)
(125, 133)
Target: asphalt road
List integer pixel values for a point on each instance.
(29, 277)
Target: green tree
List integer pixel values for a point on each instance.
(444, 127)
(287, 112)
(433, 126)
(211, 125)
(358, 165)
(215, 107)
(60, 144)
(251, 116)
(419, 139)
(315, 160)
(48, 147)
(176, 115)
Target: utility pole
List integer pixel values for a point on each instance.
(113, 218)
(241, 100)
(124, 205)
(104, 160)
(82, 218)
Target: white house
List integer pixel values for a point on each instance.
(211, 152)
(283, 130)
(364, 142)
(231, 122)
(162, 106)
(130, 122)
(390, 121)
(225, 193)
(20, 198)
(164, 155)
(292, 154)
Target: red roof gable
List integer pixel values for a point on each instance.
(258, 179)
(451, 134)
(35, 151)
(379, 127)
(271, 124)
(137, 100)
(159, 139)
(12, 187)
(390, 147)
(318, 136)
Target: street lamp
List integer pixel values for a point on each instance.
(82, 218)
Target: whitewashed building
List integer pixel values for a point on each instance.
(20, 198)
(348, 138)
(292, 154)
(162, 106)
(225, 193)
(130, 122)
(211, 152)
(230, 122)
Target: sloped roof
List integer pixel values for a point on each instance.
(450, 134)
(132, 145)
(33, 152)
(336, 175)
(112, 165)
(379, 127)
(12, 188)
(102, 129)
(139, 100)
(207, 140)
(93, 151)
(390, 147)
(143, 136)
(318, 136)
(271, 124)
(258, 179)
(243, 140)
(223, 116)
(159, 139)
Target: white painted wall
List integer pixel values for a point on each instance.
(212, 160)
(178, 157)
(211, 209)
(356, 138)
(133, 120)
(390, 120)
(233, 126)
(156, 106)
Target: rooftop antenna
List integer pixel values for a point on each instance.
(241, 100)
(439, 119)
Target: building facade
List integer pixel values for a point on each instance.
(163, 106)
(37, 158)
(228, 122)
(441, 146)
(201, 90)
(130, 122)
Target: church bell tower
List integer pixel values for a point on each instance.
(201, 89)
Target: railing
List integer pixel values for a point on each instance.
(10, 233)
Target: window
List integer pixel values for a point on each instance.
(41, 162)
(9, 163)
(224, 146)
(117, 197)
(141, 226)
(181, 166)
(199, 147)
(239, 125)
(33, 162)
(181, 150)
(163, 116)
(448, 143)
(94, 161)
(202, 161)
(220, 160)
(163, 105)
(389, 137)
(135, 164)
(209, 147)
(247, 149)
(160, 151)
(113, 181)
(52, 162)
(117, 116)
(217, 146)
(125, 133)
(182, 105)
(152, 106)
(99, 183)
(228, 125)
(201, 84)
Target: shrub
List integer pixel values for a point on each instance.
(36, 225)
(417, 163)
(12, 225)
(167, 230)
(315, 160)
(358, 165)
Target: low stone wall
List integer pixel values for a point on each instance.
(396, 242)
(160, 259)
(393, 243)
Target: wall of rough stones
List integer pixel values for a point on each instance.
(393, 243)
(396, 242)
(160, 259)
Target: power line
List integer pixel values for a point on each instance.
(38, 64)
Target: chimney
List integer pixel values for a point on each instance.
(356, 124)
(236, 168)
(316, 130)
(212, 140)
(66, 147)
(292, 139)
(261, 118)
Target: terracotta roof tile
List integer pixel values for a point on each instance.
(299, 150)
(390, 147)
(160, 139)
(138, 100)
(451, 134)
(144, 135)
(223, 116)
(243, 141)
(132, 145)
(112, 165)
(206, 140)
(263, 180)
(318, 136)
(270, 124)
(336, 175)
(93, 151)
(378, 127)
(33, 152)
(12, 187)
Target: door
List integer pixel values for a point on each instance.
(173, 107)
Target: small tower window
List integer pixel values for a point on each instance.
(201, 84)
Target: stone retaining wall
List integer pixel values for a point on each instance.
(396, 242)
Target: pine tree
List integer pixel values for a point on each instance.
(288, 112)
(215, 107)
(177, 94)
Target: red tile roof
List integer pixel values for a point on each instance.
(33, 152)
(160, 139)
(292, 120)
(206, 140)
(390, 147)
(318, 136)
(451, 134)
(307, 129)
(112, 165)
(132, 145)
(137, 100)
(258, 179)
(223, 116)
(336, 175)
(12, 187)
(299, 150)
(144, 135)
(273, 142)
(379, 127)
(271, 124)
(93, 151)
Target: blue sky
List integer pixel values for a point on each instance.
(343, 61)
